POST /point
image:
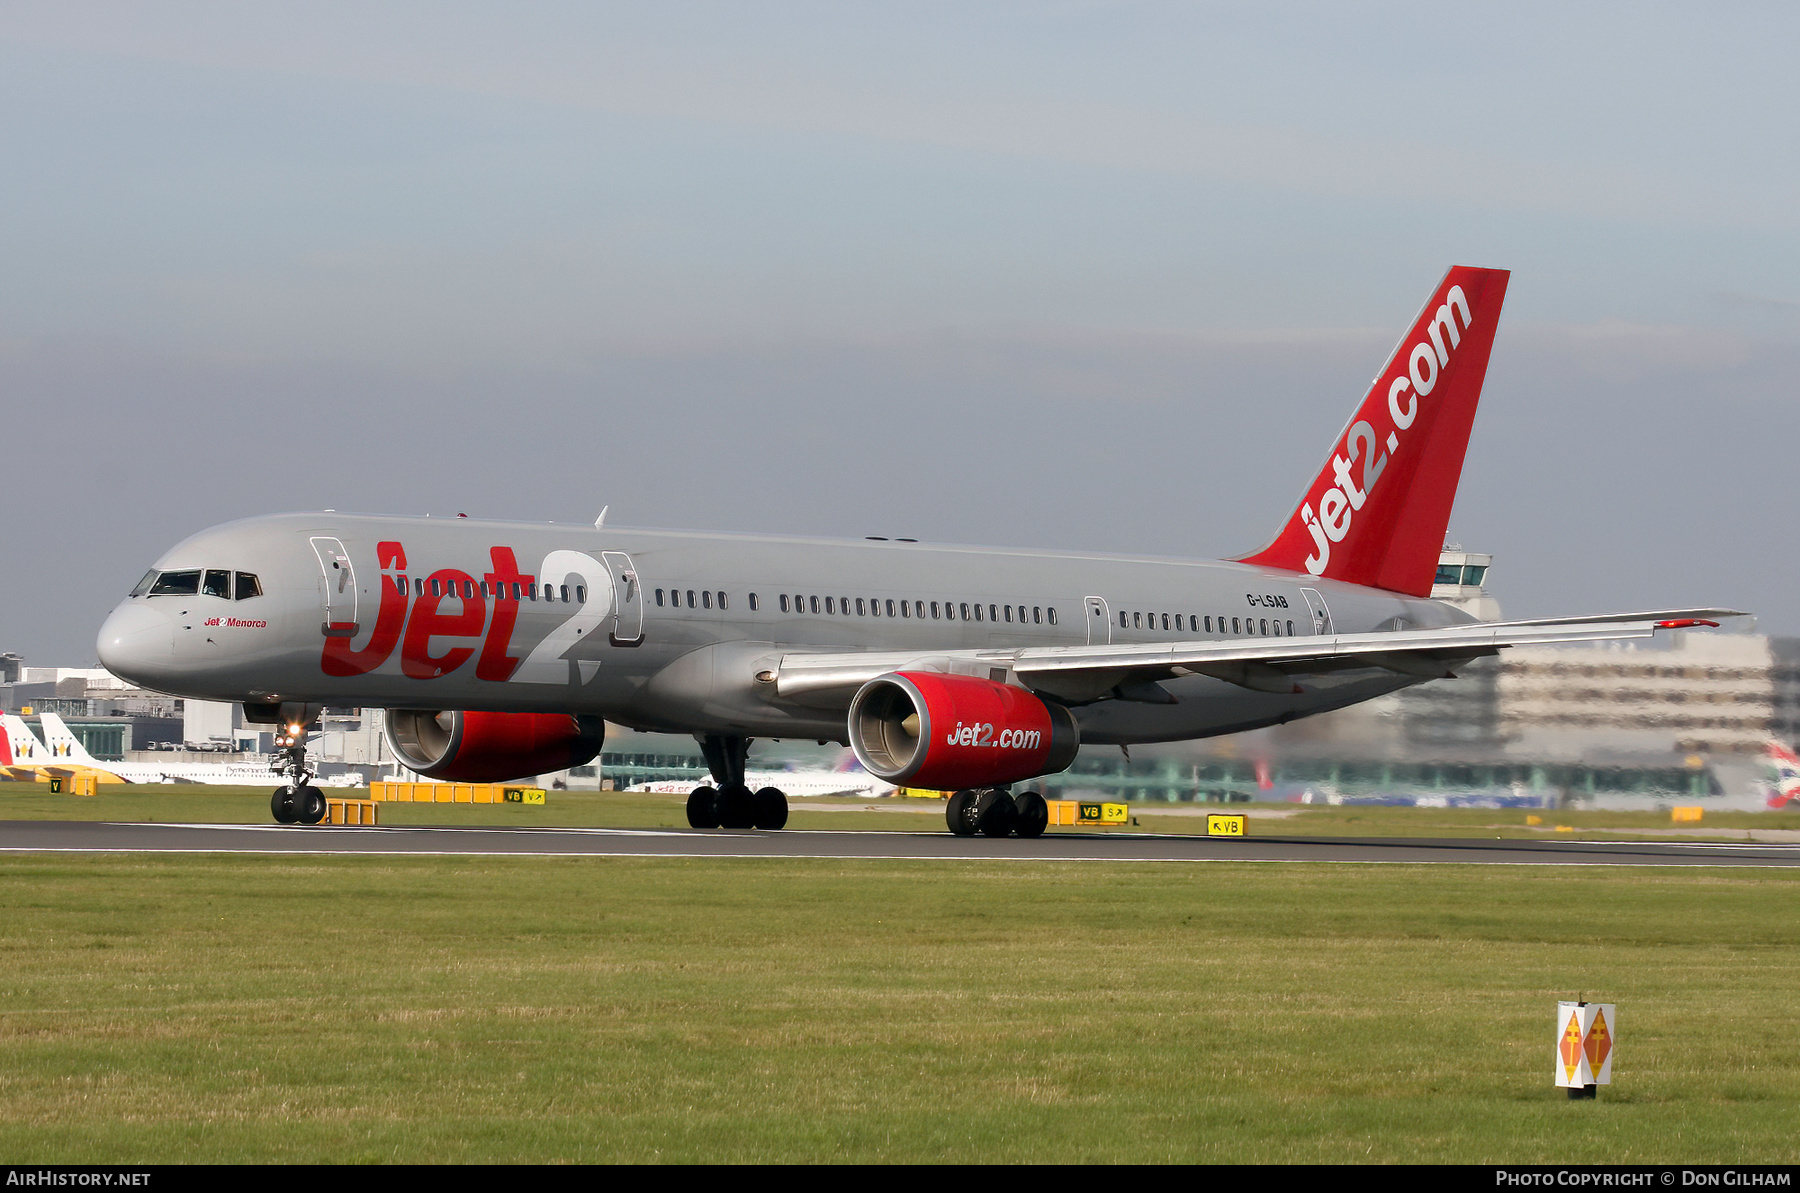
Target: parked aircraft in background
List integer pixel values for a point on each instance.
(499, 648)
(62, 754)
(1787, 775)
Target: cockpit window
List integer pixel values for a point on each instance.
(1474, 575)
(216, 583)
(143, 585)
(1448, 573)
(247, 586)
(177, 584)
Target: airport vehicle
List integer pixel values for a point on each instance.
(500, 648)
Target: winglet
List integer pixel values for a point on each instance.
(1376, 513)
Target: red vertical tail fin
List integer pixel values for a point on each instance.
(1377, 512)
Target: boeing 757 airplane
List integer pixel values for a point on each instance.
(499, 649)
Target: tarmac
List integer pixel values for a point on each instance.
(53, 836)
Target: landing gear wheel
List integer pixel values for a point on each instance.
(770, 808)
(995, 812)
(284, 806)
(736, 806)
(960, 813)
(702, 808)
(1033, 814)
(309, 804)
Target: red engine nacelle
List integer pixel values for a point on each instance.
(948, 732)
(491, 747)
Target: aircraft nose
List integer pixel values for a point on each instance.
(137, 642)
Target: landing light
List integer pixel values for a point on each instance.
(1682, 623)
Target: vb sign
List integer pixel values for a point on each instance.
(1584, 1043)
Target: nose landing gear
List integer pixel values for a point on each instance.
(297, 801)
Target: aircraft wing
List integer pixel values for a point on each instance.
(1078, 674)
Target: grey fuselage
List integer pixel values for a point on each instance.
(622, 647)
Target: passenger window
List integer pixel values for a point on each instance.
(814, 602)
(934, 610)
(977, 612)
(691, 604)
(581, 594)
(549, 592)
(830, 605)
(216, 584)
(531, 592)
(706, 599)
(1290, 629)
(176, 584)
(1265, 627)
(484, 590)
(249, 586)
(754, 603)
(143, 585)
(890, 607)
(1053, 615)
(1123, 624)
(1009, 613)
(1037, 615)
(965, 610)
(721, 600)
(1209, 625)
(784, 602)
(1137, 621)
(1021, 615)
(659, 598)
(860, 609)
(1234, 626)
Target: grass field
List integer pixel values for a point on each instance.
(214, 1008)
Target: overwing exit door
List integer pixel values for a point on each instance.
(338, 582)
(628, 599)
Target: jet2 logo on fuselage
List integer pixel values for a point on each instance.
(412, 616)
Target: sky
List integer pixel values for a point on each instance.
(1105, 276)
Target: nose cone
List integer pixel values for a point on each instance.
(137, 642)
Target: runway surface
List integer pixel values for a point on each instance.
(53, 836)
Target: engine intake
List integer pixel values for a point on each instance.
(948, 732)
(491, 747)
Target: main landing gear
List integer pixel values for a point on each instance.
(297, 801)
(731, 804)
(996, 812)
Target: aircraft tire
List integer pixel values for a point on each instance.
(1034, 815)
(283, 806)
(703, 808)
(737, 807)
(960, 813)
(771, 808)
(310, 804)
(995, 812)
